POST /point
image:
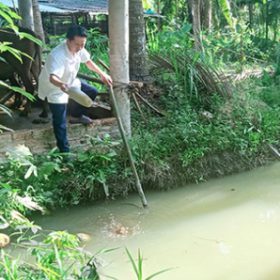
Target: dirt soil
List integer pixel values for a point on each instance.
(17, 122)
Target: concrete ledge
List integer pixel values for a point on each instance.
(40, 140)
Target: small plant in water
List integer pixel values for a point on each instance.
(138, 267)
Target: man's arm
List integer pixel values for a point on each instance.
(58, 83)
(105, 77)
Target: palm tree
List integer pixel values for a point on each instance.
(138, 63)
(195, 6)
(119, 67)
(26, 13)
(38, 26)
(207, 14)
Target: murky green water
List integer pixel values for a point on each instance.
(225, 229)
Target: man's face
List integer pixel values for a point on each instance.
(76, 44)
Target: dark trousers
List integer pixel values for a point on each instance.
(59, 122)
(59, 113)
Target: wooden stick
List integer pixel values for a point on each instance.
(149, 105)
(121, 128)
(88, 78)
(104, 65)
(138, 106)
(274, 150)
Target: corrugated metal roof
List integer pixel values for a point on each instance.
(92, 6)
(44, 7)
(72, 6)
(89, 6)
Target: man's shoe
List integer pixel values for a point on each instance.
(83, 120)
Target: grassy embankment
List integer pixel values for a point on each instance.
(211, 126)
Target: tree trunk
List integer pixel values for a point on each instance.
(38, 26)
(250, 8)
(119, 67)
(266, 21)
(207, 14)
(138, 63)
(159, 22)
(227, 15)
(216, 15)
(26, 13)
(275, 30)
(196, 23)
(189, 9)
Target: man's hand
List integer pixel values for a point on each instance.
(56, 81)
(106, 79)
(64, 87)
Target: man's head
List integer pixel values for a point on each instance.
(76, 38)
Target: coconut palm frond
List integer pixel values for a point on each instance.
(201, 77)
(159, 61)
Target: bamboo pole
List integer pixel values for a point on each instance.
(121, 128)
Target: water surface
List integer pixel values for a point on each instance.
(225, 229)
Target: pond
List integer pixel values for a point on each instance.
(226, 228)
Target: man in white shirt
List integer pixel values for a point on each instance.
(59, 74)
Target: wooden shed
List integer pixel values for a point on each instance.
(58, 15)
(90, 14)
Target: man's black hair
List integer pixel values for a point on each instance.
(76, 30)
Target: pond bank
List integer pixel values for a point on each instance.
(208, 167)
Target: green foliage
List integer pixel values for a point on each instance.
(226, 10)
(241, 125)
(183, 70)
(98, 45)
(92, 170)
(230, 49)
(277, 59)
(6, 111)
(57, 257)
(267, 89)
(201, 122)
(55, 179)
(15, 201)
(7, 17)
(178, 38)
(15, 89)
